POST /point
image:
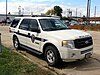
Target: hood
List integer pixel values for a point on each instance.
(69, 34)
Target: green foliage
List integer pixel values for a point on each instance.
(58, 10)
(64, 18)
(50, 12)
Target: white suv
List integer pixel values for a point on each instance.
(50, 37)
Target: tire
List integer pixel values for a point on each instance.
(52, 56)
(16, 43)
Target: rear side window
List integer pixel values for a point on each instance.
(24, 24)
(15, 23)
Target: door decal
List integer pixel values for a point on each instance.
(33, 38)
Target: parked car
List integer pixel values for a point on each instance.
(50, 37)
(66, 22)
(73, 23)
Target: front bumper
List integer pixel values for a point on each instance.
(75, 54)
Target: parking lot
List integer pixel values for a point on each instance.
(85, 67)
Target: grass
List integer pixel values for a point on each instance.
(14, 64)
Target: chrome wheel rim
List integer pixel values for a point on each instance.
(16, 43)
(50, 56)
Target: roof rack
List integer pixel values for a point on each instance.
(45, 16)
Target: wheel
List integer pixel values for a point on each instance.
(16, 43)
(52, 56)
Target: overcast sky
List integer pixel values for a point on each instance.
(41, 6)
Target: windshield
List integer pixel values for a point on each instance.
(52, 24)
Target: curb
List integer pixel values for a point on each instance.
(47, 68)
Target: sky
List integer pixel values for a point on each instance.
(41, 6)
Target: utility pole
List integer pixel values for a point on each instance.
(22, 11)
(76, 12)
(19, 12)
(69, 13)
(80, 14)
(95, 11)
(6, 14)
(88, 10)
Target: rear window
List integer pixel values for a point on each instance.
(15, 23)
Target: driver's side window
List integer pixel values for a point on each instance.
(33, 25)
(24, 24)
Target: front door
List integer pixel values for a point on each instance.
(35, 38)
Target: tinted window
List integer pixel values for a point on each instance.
(15, 23)
(24, 24)
(33, 25)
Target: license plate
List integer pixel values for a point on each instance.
(88, 55)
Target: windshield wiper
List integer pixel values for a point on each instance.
(49, 29)
(63, 28)
(52, 29)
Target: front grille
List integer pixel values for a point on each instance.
(83, 42)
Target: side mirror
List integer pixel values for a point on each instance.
(38, 31)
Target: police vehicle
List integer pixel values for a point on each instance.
(50, 37)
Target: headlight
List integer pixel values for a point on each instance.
(68, 43)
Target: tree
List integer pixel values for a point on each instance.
(50, 12)
(58, 10)
(64, 18)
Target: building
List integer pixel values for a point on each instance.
(9, 17)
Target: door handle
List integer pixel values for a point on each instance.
(28, 33)
(18, 31)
